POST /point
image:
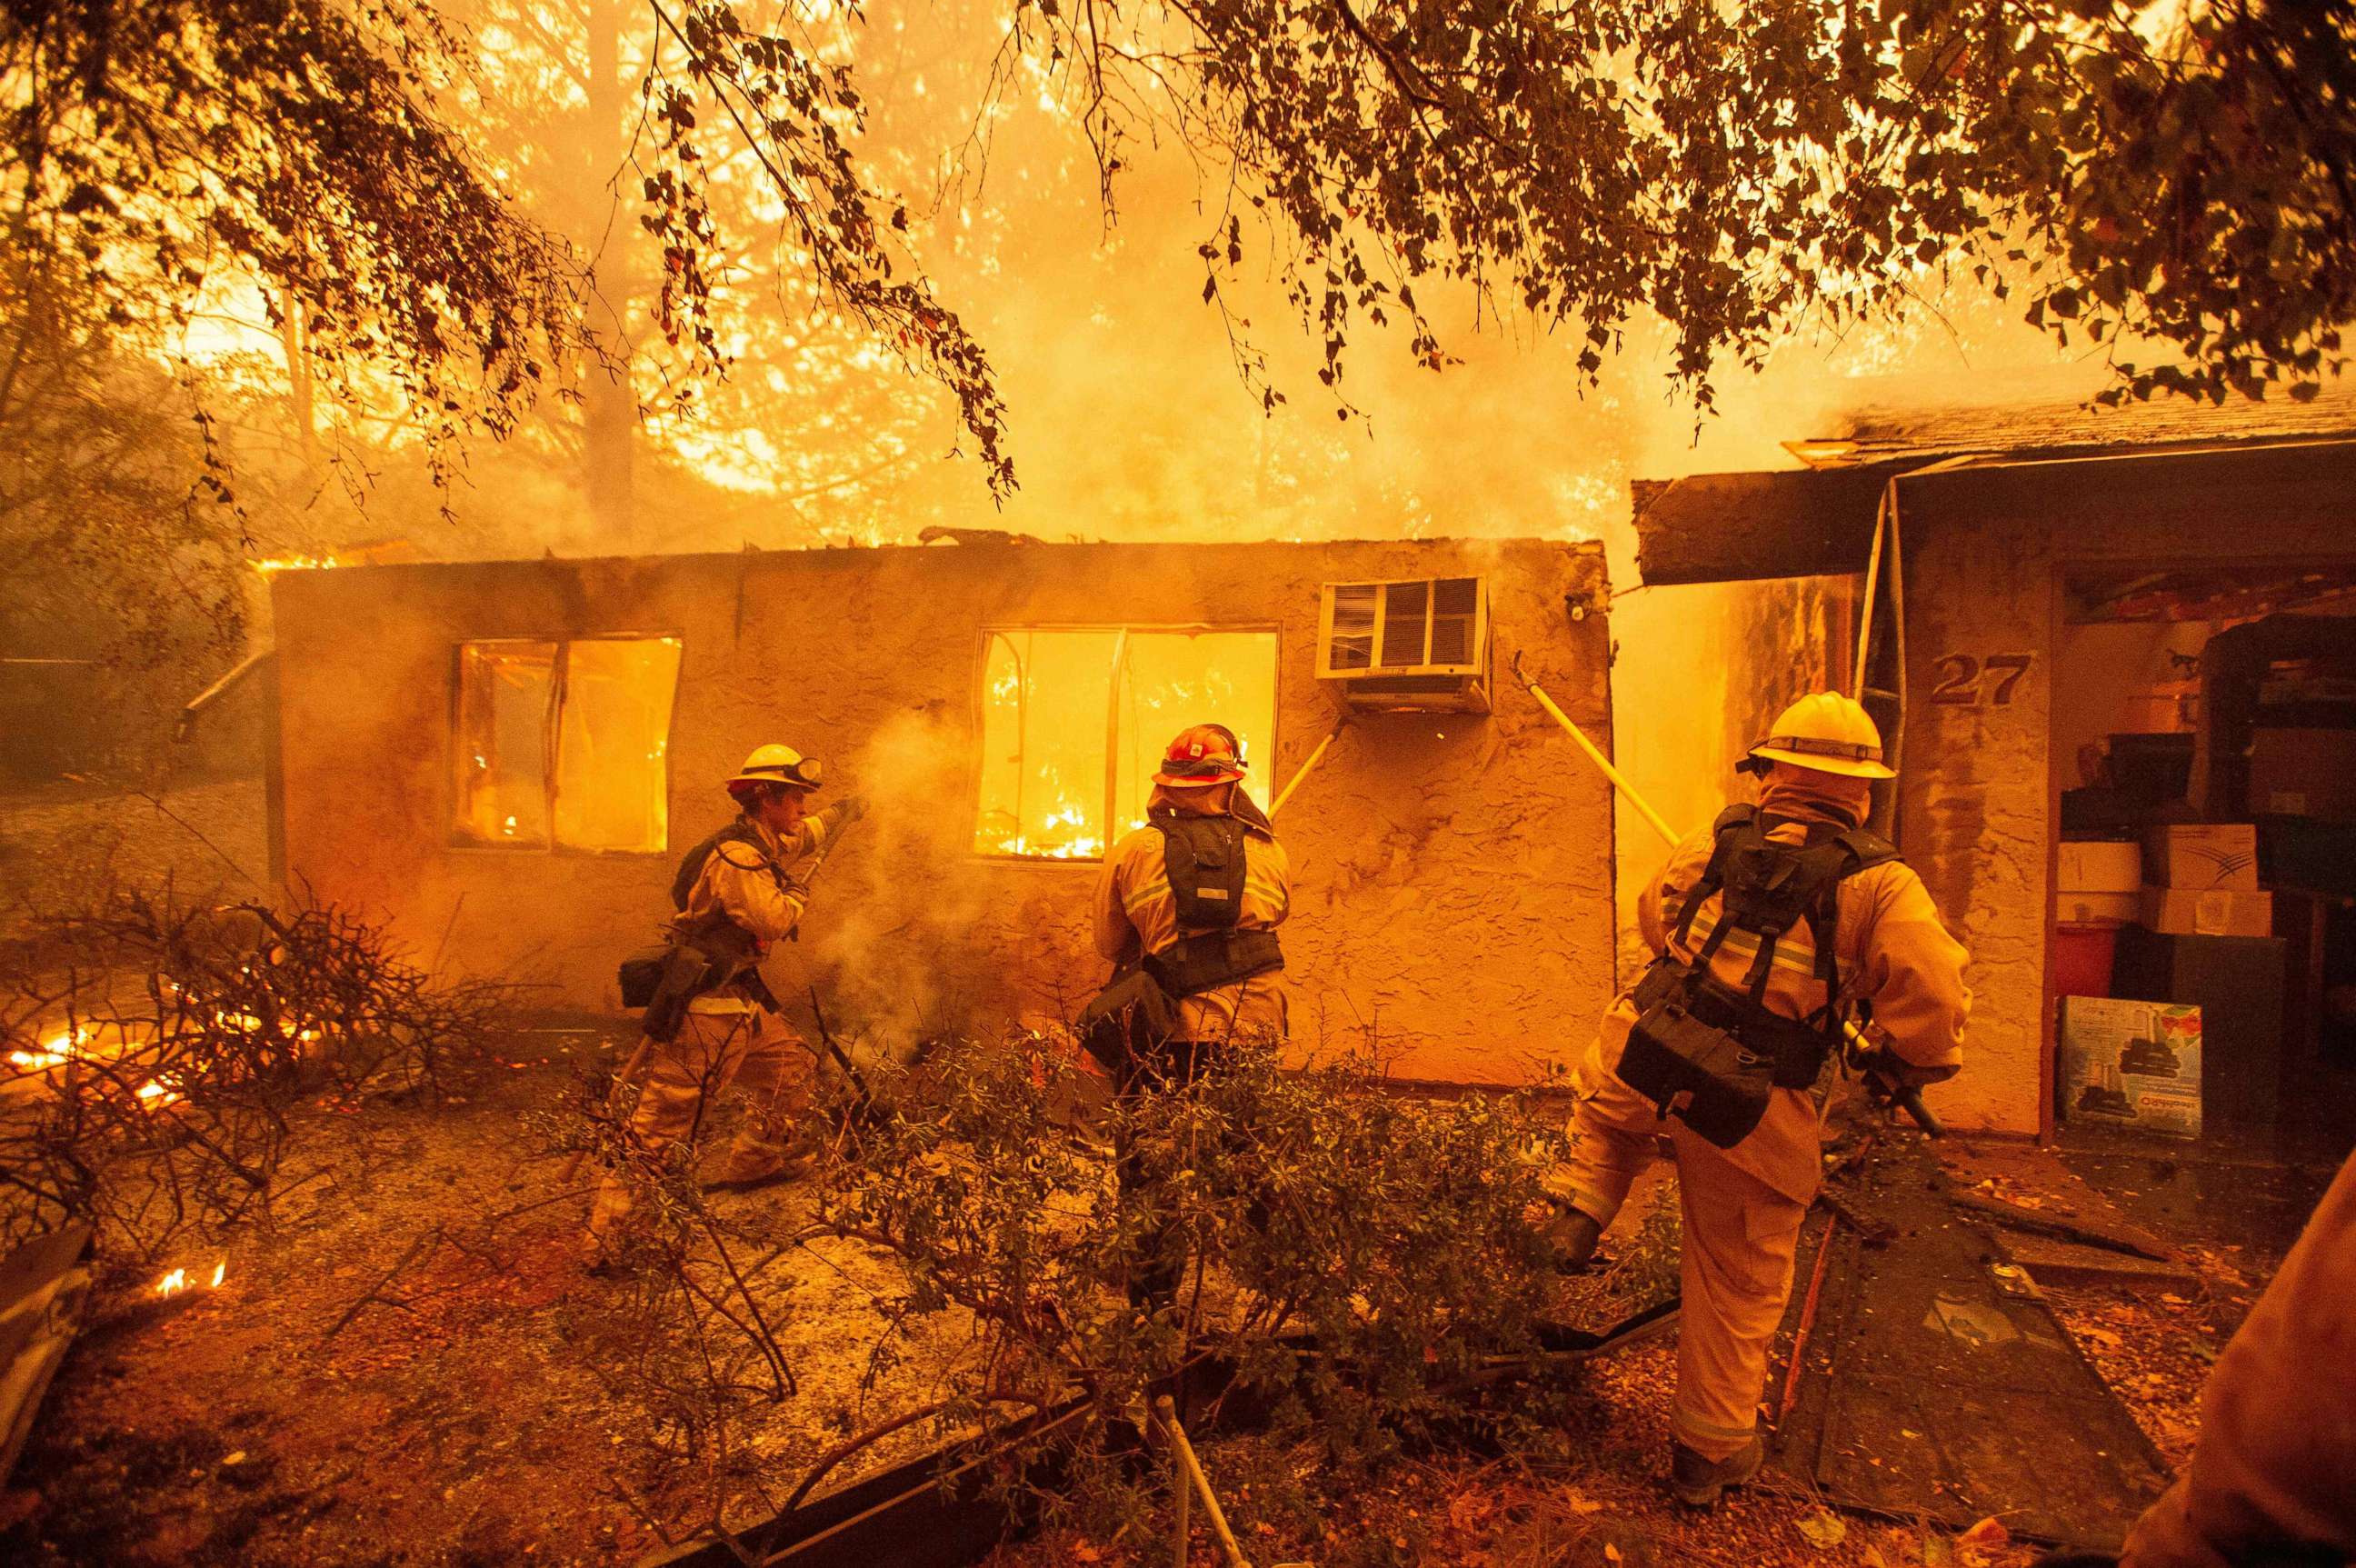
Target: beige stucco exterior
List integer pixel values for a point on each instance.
(1987, 552)
(1453, 873)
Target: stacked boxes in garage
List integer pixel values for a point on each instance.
(2200, 965)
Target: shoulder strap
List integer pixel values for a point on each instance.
(1845, 854)
(690, 865)
(1713, 876)
(1865, 848)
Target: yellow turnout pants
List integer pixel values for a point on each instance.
(1736, 1261)
(758, 1052)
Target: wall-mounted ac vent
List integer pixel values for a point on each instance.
(1420, 645)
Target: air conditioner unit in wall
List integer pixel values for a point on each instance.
(1417, 645)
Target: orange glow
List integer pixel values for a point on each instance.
(1074, 724)
(177, 1281)
(565, 743)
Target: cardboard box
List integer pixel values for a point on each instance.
(2105, 866)
(2131, 1064)
(2303, 773)
(2238, 985)
(2202, 854)
(2097, 909)
(2207, 912)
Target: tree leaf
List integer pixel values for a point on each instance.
(1822, 1530)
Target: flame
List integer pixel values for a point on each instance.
(55, 1051)
(295, 563)
(175, 1281)
(154, 1095)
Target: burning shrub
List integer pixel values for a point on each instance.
(156, 1055)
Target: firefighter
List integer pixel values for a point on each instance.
(2272, 1476)
(1783, 920)
(713, 1021)
(1186, 910)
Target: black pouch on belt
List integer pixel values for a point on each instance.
(641, 975)
(1696, 1072)
(1129, 1017)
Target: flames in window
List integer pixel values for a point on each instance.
(1074, 724)
(564, 743)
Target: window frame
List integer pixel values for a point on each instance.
(551, 721)
(979, 707)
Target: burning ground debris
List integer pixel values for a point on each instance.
(159, 1055)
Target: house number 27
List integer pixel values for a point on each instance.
(1967, 681)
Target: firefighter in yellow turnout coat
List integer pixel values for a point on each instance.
(1724, 895)
(1187, 911)
(1208, 937)
(735, 894)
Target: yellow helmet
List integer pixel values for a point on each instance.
(1829, 733)
(774, 764)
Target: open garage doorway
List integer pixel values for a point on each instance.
(2204, 748)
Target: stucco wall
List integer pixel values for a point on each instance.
(1453, 873)
(1984, 553)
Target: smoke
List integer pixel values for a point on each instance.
(901, 960)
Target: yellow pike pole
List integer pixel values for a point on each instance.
(1619, 780)
(1908, 1098)
(1314, 757)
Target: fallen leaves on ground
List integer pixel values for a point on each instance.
(1822, 1530)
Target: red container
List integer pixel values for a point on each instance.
(2082, 960)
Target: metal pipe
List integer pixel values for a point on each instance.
(1168, 1411)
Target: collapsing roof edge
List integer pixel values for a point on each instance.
(1898, 437)
(1716, 528)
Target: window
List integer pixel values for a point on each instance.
(1074, 724)
(562, 744)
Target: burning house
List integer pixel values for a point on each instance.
(542, 739)
(2092, 630)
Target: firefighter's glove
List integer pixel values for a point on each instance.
(853, 808)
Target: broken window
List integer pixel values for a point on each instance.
(563, 743)
(1074, 724)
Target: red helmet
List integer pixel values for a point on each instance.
(1202, 756)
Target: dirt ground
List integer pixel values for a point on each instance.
(60, 841)
(480, 1415)
(1600, 1501)
(480, 1412)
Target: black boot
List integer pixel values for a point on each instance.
(1698, 1482)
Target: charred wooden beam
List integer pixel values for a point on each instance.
(1718, 528)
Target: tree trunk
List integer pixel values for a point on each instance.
(609, 405)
